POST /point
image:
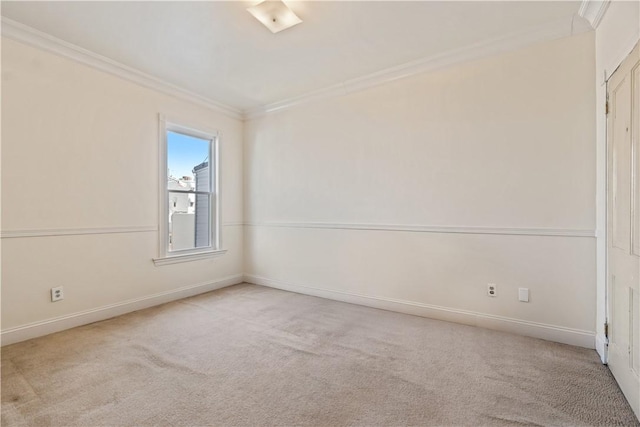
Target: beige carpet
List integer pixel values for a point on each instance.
(249, 355)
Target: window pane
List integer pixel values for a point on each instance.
(189, 221)
(188, 162)
(203, 222)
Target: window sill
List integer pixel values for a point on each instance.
(175, 259)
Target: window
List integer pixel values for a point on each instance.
(189, 198)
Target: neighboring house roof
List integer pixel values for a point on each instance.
(201, 166)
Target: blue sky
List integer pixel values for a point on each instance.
(184, 152)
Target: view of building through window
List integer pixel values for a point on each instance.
(189, 191)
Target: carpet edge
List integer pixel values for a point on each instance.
(57, 324)
(561, 334)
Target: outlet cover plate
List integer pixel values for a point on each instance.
(492, 289)
(57, 294)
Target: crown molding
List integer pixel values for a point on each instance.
(618, 56)
(551, 31)
(593, 11)
(555, 30)
(28, 35)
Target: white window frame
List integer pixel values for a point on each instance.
(214, 249)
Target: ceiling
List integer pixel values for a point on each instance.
(218, 50)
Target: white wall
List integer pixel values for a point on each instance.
(80, 151)
(505, 144)
(616, 36)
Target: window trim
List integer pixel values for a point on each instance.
(214, 249)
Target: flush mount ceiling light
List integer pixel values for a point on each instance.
(275, 15)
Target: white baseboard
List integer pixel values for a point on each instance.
(538, 330)
(57, 324)
(602, 347)
(522, 327)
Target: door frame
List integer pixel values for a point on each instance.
(624, 381)
(602, 207)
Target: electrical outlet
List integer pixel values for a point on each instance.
(57, 294)
(523, 294)
(492, 289)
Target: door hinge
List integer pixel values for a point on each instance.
(606, 330)
(606, 107)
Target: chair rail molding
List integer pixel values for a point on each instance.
(13, 234)
(559, 232)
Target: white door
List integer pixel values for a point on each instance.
(623, 223)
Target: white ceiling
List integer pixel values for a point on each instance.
(218, 50)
